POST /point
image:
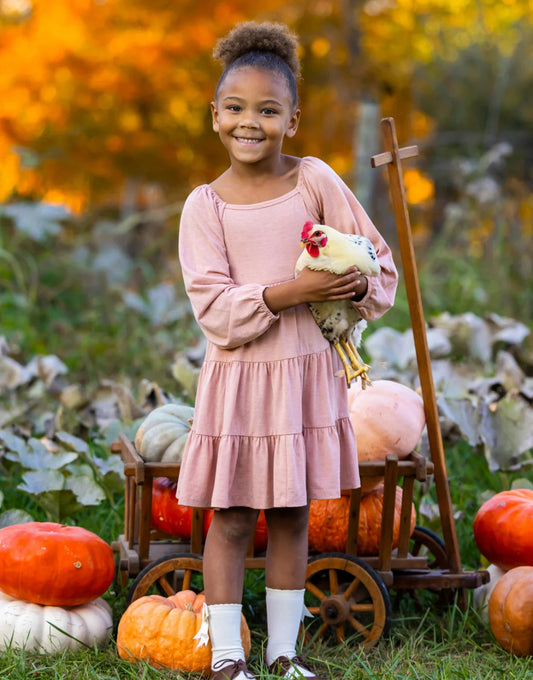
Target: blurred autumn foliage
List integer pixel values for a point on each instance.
(102, 95)
(105, 128)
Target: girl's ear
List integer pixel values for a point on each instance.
(293, 123)
(214, 114)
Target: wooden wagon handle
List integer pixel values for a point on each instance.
(392, 158)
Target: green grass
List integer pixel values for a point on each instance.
(422, 645)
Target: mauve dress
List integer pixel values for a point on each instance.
(271, 425)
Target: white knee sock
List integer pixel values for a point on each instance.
(225, 633)
(284, 614)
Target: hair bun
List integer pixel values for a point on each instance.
(251, 36)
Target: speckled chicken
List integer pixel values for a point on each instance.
(339, 321)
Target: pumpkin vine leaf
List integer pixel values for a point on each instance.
(58, 504)
(37, 457)
(36, 482)
(85, 488)
(15, 516)
(73, 442)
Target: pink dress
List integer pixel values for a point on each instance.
(271, 425)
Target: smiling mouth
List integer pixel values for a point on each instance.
(248, 140)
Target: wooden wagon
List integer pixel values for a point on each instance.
(348, 594)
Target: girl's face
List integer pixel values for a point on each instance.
(252, 114)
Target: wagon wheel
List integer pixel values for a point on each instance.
(426, 543)
(166, 576)
(350, 597)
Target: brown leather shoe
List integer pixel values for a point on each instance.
(229, 669)
(282, 665)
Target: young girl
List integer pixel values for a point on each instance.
(271, 427)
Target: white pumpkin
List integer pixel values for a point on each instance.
(388, 418)
(46, 629)
(481, 594)
(163, 433)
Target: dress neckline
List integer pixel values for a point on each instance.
(270, 201)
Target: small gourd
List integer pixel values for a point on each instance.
(46, 630)
(161, 631)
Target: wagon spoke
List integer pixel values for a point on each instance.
(333, 581)
(313, 610)
(359, 627)
(165, 585)
(369, 607)
(340, 633)
(187, 575)
(312, 588)
(351, 588)
(323, 628)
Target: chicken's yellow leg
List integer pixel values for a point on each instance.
(358, 364)
(354, 366)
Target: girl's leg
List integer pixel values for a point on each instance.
(286, 565)
(286, 558)
(224, 554)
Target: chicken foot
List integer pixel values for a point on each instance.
(354, 366)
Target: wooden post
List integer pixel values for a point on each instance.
(392, 158)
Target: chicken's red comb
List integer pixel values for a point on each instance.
(308, 227)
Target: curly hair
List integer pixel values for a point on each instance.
(269, 46)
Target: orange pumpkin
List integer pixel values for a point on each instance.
(176, 520)
(511, 611)
(161, 631)
(503, 529)
(328, 523)
(54, 564)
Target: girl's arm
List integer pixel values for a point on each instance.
(229, 315)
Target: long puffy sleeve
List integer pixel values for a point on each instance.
(337, 207)
(229, 315)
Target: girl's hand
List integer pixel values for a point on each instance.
(316, 286)
(323, 286)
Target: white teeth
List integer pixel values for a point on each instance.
(245, 140)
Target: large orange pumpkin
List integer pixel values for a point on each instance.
(511, 611)
(161, 630)
(503, 529)
(328, 523)
(54, 564)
